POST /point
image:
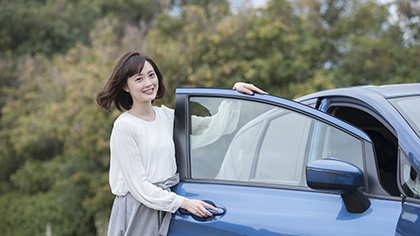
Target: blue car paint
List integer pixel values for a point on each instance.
(294, 212)
(334, 172)
(377, 97)
(325, 103)
(395, 90)
(409, 220)
(268, 211)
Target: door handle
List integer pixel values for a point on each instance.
(220, 211)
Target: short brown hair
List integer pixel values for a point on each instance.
(128, 65)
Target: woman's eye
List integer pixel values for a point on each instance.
(139, 78)
(152, 74)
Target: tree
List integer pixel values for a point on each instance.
(259, 46)
(59, 136)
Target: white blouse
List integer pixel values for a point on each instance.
(143, 153)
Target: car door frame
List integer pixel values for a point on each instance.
(182, 125)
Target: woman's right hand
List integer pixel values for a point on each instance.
(197, 207)
(247, 88)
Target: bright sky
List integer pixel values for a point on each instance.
(262, 3)
(259, 3)
(234, 4)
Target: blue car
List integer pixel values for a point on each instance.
(337, 162)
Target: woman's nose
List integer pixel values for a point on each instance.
(148, 82)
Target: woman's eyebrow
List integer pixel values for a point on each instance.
(145, 73)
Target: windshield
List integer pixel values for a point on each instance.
(410, 110)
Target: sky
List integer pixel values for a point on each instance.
(235, 4)
(263, 3)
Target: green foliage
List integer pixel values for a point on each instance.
(49, 27)
(57, 134)
(132, 11)
(262, 46)
(46, 27)
(24, 214)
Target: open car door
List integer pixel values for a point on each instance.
(252, 156)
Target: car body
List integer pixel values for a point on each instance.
(337, 162)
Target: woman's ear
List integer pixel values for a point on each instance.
(125, 87)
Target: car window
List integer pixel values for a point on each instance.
(410, 110)
(282, 149)
(255, 142)
(341, 145)
(384, 141)
(410, 178)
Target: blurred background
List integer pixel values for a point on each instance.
(56, 54)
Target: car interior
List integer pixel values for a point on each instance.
(384, 141)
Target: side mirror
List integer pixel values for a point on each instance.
(334, 175)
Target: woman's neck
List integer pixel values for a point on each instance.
(143, 111)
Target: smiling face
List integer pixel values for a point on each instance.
(143, 87)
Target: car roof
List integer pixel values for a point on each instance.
(386, 91)
(395, 90)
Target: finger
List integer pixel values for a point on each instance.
(204, 212)
(260, 91)
(246, 90)
(243, 88)
(208, 213)
(237, 84)
(256, 89)
(211, 207)
(199, 212)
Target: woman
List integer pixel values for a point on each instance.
(142, 167)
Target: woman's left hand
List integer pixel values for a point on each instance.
(247, 88)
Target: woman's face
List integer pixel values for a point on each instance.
(143, 87)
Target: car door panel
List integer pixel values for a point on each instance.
(278, 207)
(266, 211)
(409, 222)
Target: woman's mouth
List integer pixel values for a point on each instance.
(149, 91)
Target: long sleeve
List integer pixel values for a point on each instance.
(207, 130)
(128, 172)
